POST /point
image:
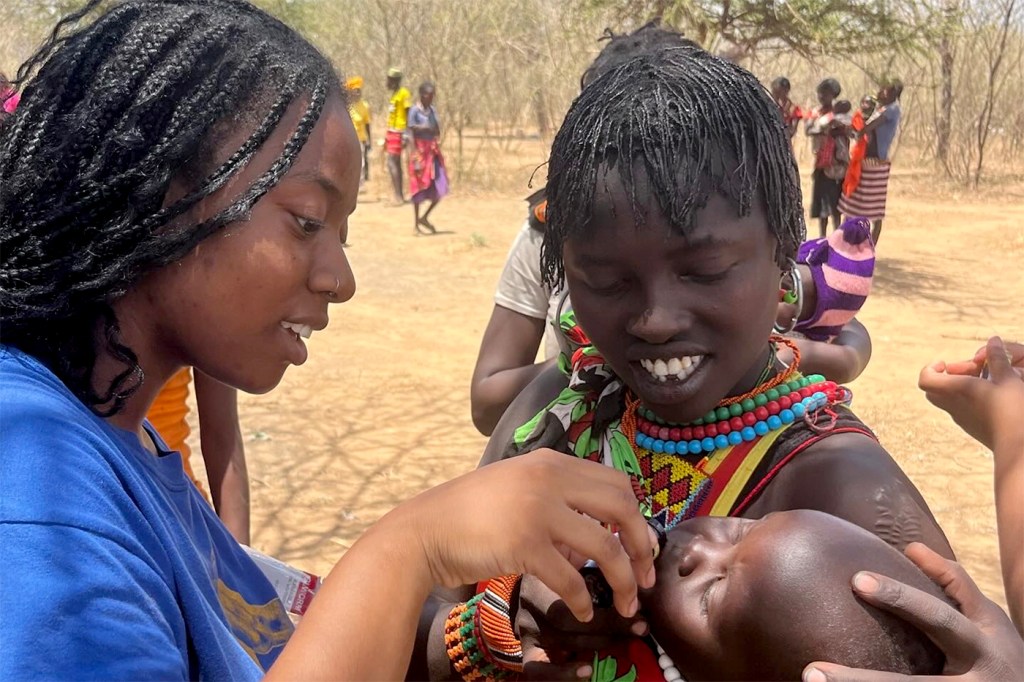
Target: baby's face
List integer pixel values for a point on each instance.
(717, 579)
(736, 598)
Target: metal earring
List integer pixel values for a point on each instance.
(794, 295)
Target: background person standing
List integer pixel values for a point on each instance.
(359, 110)
(394, 138)
(868, 200)
(428, 178)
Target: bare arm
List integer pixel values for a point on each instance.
(542, 390)
(505, 365)
(1009, 486)
(841, 360)
(363, 622)
(990, 411)
(224, 453)
(430, 660)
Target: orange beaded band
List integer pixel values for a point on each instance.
(500, 643)
(464, 646)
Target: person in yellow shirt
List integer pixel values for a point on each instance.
(219, 437)
(394, 138)
(359, 110)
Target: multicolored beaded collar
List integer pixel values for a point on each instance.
(737, 423)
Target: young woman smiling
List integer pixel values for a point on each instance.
(175, 189)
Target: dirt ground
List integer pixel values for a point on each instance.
(381, 409)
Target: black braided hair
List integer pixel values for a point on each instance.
(623, 46)
(110, 113)
(697, 123)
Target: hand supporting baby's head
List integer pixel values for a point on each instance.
(761, 598)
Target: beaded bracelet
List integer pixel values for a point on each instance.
(463, 643)
(503, 648)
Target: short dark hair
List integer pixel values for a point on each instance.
(111, 113)
(832, 85)
(622, 47)
(699, 124)
(781, 82)
(426, 85)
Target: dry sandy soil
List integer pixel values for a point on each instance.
(381, 409)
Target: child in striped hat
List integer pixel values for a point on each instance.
(841, 266)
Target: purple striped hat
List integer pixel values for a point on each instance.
(842, 266)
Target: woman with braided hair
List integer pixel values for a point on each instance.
(175, 189)
(674, 216)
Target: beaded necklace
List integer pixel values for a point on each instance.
(738, 423)
(770, 405)
(676, 462)
(668, 667)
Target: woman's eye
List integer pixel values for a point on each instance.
(308, 225)
(708, 277)
(611, 289)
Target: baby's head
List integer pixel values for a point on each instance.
(843, 106)
(741, 599)
(867, 105)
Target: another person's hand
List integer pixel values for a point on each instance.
(557, 646)
(987, 409)
(522, 515)
(979, 641)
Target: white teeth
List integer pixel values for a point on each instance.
(303, 330)
(674, 368)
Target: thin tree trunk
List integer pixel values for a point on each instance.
(985, 118)
(946, 59)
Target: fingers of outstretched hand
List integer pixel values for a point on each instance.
(951, 577)
(951, 631)
(611, 499)
(1001, 361)
(597, 543)
(830, 672)
(555, 571)
(967, 368)
(937, 379)
(1014, 350)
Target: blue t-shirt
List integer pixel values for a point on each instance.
(112, 565)
(423, 117)
(882, 136)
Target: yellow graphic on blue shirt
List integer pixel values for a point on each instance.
(259, 628)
